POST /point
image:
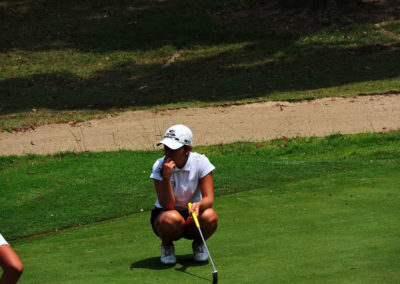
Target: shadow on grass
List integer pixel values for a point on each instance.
(106, 25)
(224, 77)
(268, 63)
(185, 261)
(152, 263)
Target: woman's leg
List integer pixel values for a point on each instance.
(11, 265)
(169, 226)
(208, 220)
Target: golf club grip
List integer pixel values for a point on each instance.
(194, 216)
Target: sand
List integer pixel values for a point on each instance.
(141, 130)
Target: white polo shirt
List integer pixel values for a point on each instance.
(185, 181)
(2, 241)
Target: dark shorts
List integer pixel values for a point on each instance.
(157, 211)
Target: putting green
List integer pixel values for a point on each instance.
(319, 231)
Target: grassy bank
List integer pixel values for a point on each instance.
(74, 60)
(47, 193)
(314, 211)
(343, 233)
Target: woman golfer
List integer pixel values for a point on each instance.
(180, 177)
(10, 262)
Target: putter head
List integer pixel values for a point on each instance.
(215, 277)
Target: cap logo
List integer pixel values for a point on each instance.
(177, 136)
(171, 135)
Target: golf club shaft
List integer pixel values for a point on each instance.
(201, 235)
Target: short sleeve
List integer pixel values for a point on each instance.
(205, 166)
(3, 241)
(156, 171)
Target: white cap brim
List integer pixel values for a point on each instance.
(170, 143)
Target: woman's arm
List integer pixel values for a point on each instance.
(11, 264)
(207, 191)
(164, 189)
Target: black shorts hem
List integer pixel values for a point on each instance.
(157, 211)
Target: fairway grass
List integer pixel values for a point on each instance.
(340, 228)
(47, 193)
(301, 210)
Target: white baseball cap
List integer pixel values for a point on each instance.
(177, 136)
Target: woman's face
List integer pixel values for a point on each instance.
(179, 156)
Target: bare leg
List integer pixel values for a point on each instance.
(11, 265)
(208, 220)
(169, 226)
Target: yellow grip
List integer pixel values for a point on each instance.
(194, 216)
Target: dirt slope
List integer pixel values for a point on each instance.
(213, 125)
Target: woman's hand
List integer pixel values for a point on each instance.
(167, 168)
(195, 209)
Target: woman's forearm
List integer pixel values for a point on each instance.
(165, 194)
(207, 191)
(206, 202)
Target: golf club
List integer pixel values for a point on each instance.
(215, 273)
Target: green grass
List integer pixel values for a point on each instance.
(392, 26)
(328, 222)
(74, 60)
(45, 193)
(303, 210)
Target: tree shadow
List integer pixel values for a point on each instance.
(230, 75)
(153, 263)
(268, 63)
(127, 25)
(101, 26)
(272, 15)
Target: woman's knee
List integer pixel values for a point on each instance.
(209, 216)
(171, 219)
